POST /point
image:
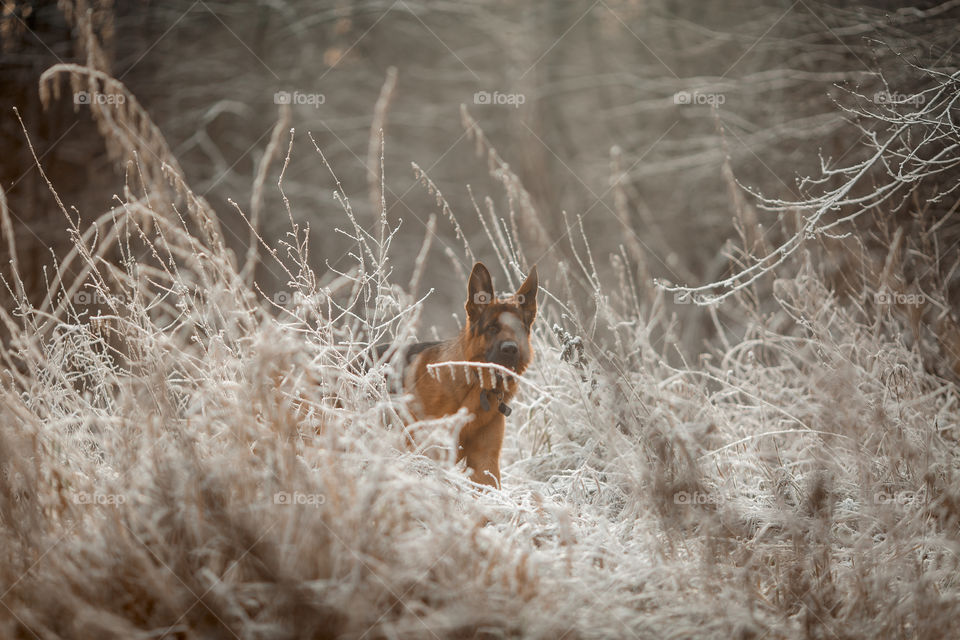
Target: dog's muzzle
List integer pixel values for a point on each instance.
(506, 354)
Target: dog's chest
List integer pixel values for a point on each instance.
(438, 396)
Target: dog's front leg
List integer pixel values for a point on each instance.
(481, 447)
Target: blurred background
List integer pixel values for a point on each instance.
(644, 120)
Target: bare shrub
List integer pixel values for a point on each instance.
(182, 455)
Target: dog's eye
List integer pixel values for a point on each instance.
(492, 329)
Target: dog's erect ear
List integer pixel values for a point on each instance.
(527, 296)
(479, 290)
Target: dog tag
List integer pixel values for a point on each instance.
(484, 402)
(504, 409)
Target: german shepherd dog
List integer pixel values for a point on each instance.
(497, 332)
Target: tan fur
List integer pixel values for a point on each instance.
(490, 325)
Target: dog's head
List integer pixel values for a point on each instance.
(498, 330)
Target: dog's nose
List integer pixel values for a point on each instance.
(508, 347)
